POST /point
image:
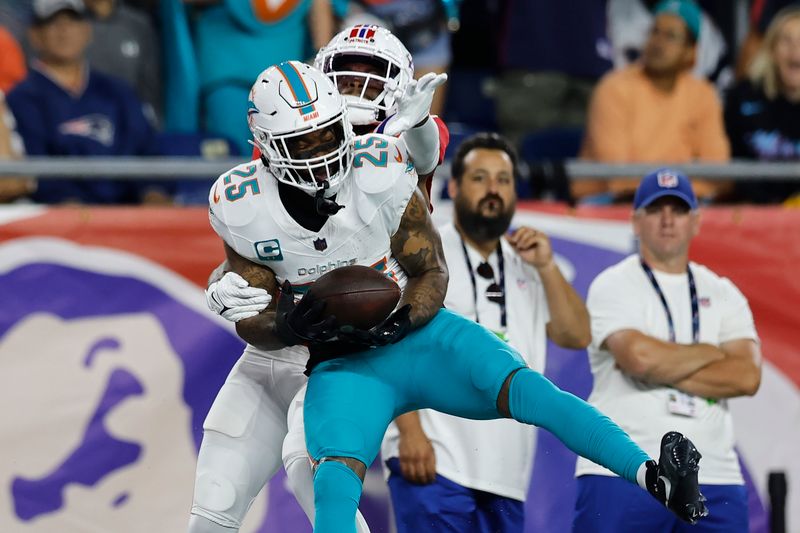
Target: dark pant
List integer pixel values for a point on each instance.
(447, 507)
(609, 504)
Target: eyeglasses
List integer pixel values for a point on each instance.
(494, 292)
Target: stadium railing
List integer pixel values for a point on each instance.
(199, 168)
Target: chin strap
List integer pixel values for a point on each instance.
(325, 206)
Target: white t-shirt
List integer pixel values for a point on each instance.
(622, 297)
(494, 456)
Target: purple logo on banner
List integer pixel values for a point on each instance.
(110, 376)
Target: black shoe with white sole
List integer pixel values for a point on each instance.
(673, 481)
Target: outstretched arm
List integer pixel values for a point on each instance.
(417, 247)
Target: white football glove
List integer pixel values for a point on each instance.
(413, 104)
(234, 299)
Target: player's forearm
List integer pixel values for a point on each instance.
(259, 331)
(569, 319)
(728, 378)
(666, 363)
(425, 293)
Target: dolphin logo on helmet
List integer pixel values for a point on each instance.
(291, 100)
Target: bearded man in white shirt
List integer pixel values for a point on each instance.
(671, 342)
(452, 474)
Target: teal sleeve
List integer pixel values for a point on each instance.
(582, 428)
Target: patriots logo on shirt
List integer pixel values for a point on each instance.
(97, 127)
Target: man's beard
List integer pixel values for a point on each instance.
(482, 228)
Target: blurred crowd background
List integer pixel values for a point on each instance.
(612, 81)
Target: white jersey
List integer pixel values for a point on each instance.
(622, 297)
(247, 213)
(494, 456)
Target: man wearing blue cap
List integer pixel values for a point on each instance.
(671, 342)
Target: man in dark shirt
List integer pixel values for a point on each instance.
(64, 108)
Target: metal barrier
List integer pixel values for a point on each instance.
(198, 168)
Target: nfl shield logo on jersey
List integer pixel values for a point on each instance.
(320, 244)
(667, 180)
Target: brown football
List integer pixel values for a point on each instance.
(357, 296)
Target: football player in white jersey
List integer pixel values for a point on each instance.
(374, 72)
(266, 405)
(284, 225)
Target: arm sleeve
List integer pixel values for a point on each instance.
(712, 142)
(613, 306)
(444, 137)
(606, 125)
(737, 319)
(424, 146)
(581, 427)
(30, 123)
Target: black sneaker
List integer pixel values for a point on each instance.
(673, 481)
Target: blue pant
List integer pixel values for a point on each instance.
(447, 507)
(609, 504)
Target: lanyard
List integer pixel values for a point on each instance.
(502, 283)
(692, 298)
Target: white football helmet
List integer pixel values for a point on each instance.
(289, 102)
(375, 46)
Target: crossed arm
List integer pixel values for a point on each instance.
(732, 369)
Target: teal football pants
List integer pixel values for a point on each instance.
(452, 365)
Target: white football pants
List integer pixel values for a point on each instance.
(243, 436)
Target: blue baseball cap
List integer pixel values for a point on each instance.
(664, 182)
(685, 9)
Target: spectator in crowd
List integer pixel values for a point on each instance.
(232, 42)
(762, 114)
(629, 22)
(671, 342)
(11, 188)
(421, 25)
(65, 108)
(125, 45)
(761, 15)
(552, 53)
(454, 474)
(12, 61)
(655, 110)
